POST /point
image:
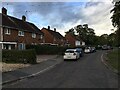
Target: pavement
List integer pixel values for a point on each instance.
(44, 63)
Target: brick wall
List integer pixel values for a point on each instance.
(71, 40)
(27, 38)
(47, 36)
(51, 39)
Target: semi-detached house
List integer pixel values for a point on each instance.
(17, 33)
(52, 37)
(73, 40)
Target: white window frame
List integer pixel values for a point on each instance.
(33, 35)
(7, 31)
(23, 46)
(9, 47)
(41, 36)
(20, 33)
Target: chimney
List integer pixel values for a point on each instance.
(4, 11)
(48, 27)
(54, 29)
(23, 18)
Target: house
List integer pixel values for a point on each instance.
(73, 40)
(53, 37)
(17, 33)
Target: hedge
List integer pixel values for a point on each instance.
(47, 49)
(19, 56)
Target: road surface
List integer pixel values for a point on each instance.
(87, 72)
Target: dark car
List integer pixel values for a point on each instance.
(93, 49)
(80, 51)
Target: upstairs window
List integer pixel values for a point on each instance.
(20, 33)
(33, 35)
(7, 31)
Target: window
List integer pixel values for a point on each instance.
(20, 33)
(7, 31)
(33, 35)
(41, 36)
(21, 46)
(54, 39)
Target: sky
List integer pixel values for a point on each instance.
(64, 15)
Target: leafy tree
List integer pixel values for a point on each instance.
(116, 15)
(112, 39)
(103, 39)
(116, 19)
(85, 33)
(71, 31)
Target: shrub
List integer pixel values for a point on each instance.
(19, 56)
(47, 49)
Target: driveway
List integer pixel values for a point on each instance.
(87, 72)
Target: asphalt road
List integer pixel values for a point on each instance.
(87, 72)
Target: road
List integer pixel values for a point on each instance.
(87, 72)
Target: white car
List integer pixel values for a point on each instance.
(87, 50)
(71, 54)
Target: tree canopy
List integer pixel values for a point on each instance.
(116, 20)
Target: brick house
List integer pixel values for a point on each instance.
(73, 40)
(53, 37)
(17, 33)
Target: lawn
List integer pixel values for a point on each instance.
(113, 57)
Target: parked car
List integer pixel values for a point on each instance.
(104, 47)
(107, 47)
(110, 47)
(93, 49)
(88, 50)
(80, 51)
(71, 54)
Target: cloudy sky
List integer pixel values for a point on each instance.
(64, 15)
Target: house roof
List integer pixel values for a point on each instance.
(75, 37)
(55, 34)
(12, 22)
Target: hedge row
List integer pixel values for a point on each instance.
(19, 56)
(47, 49)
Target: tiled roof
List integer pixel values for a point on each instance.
(55, 34)
(12, 22)
(7, 22)
(75, 37)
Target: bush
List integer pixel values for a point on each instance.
(47, 49)
(19, 56)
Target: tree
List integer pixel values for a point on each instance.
(86, 34)
(111, 39)
(71, 31)
(116, 19)
(104, 39)
(116, 15)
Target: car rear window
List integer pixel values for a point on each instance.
(69, 51)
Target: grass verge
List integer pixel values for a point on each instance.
(113, 59)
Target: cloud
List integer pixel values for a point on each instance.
(64, 15)
(98, 17)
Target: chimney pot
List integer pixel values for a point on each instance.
(55, 29)
(48, 27)
(4, 11)
(23, 18)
